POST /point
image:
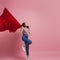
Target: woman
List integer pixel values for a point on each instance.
(25, 33)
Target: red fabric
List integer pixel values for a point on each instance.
(8, 22)
(2, 24)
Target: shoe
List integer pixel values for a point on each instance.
(23, 48)
(28, 58)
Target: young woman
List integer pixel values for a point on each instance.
(25, 33)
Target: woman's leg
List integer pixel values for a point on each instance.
(27, 50)
(24, 47)
(26, 40)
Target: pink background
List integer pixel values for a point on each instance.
(43, 17)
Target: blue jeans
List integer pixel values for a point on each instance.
(27, 42)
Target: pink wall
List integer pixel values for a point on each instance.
(43, 16)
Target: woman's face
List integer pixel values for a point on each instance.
(25, 24)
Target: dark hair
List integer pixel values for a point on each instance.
(23, 24)
(27, 27)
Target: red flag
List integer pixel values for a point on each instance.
(3, 26)
(9, 22)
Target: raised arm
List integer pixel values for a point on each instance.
(21, 30)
